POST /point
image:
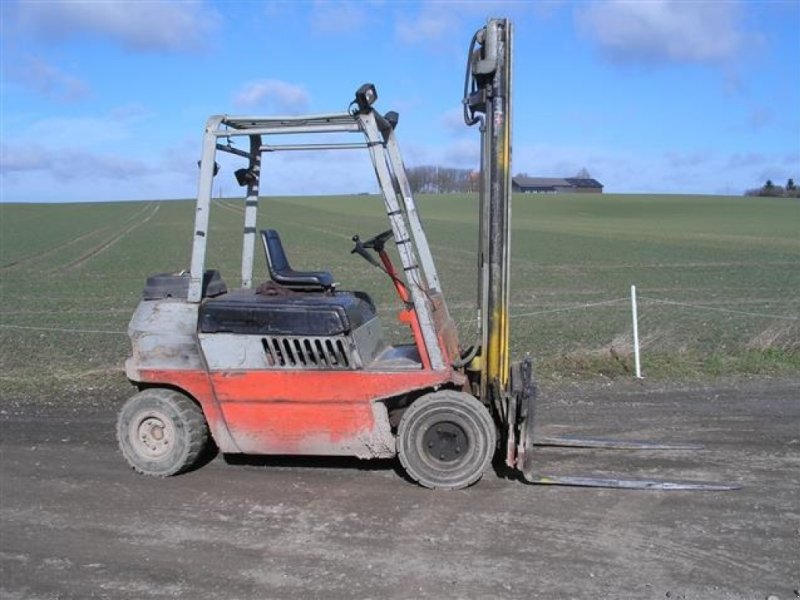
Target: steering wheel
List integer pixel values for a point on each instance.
(377, 242)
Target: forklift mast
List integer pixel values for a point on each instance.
(487, 103)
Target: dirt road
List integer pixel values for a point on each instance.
(77, 523)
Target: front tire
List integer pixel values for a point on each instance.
(446, 440)
(161, 432)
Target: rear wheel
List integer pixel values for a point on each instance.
(446, 440)
(161, 432)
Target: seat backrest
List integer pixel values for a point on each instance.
(276, 256)
(282, 273)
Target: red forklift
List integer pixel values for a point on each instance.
(296, 366)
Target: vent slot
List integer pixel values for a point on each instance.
(307, 352)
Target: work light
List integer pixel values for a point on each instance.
(245, 177)
(366, 96)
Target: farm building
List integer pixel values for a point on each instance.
(555, 185)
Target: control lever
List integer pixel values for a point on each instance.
(361, 250)
(378, 244)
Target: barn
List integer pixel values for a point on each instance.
(555, 185)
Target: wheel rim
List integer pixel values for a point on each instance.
(152, 435)
(445, 442)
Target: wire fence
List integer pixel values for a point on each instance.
(61, 329)
(676, 337)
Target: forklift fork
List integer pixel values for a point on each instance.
(630, 484)
(581, 442)
(521, 441)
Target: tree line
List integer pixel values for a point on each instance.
(431, 179)
(790, 190)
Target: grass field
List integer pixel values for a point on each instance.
(719, 277)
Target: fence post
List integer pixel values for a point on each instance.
(635, 334)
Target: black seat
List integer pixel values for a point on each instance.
(282, 273)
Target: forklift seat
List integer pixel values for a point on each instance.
(282, 273)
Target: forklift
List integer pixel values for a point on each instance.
(296, 366)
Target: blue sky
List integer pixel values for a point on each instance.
(107, 100)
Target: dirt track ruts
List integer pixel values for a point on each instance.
(105, 245)
(51, 250)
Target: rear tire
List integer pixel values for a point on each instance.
(161, 432)
(446, 440)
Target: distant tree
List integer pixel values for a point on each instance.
(432, 179)
(769, 189)
(474, 181)
(792, 191)
(583, 174)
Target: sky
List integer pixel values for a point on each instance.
(107, 100)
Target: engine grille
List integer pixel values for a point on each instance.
(307, 352)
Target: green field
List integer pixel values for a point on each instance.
(732, 265)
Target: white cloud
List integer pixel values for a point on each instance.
(47, 80)
(759, 117)
(87, 131)
(430, 26)
(749, 159)
(311, 173)
(275, 95)
(141, 26)
(664, 31)
(338, 17)
(448, 24)
(130, 113)
(792, 159)
(97, 131)
(464, 154)
(78, 147)
(680, 160)
(35, 173)
(21, 158)
(66, 164)
(461, 153)
(453, 120)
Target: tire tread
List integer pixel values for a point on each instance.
(478, 409)
(195, 426)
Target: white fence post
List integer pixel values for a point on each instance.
(635, 334)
